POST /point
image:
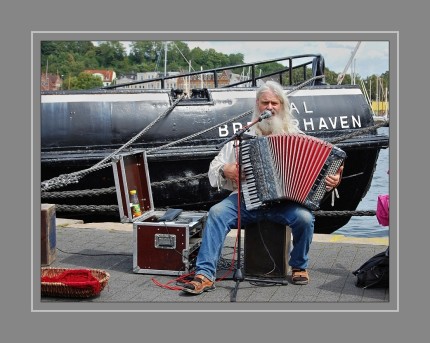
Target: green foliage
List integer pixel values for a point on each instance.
(70, 58)
(82, 81)
(110, 54)
(67, 57)
(377, 87)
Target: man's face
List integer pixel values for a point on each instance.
(274, 124)
(269, 101)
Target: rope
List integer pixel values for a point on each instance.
(115, 208)
(357, 133)
(201, 132)
(141, 133)
(343, 213)
(111, 190)
(66, 179)
(183, 179)
(78, 194)
(300, 86)
(86, 208)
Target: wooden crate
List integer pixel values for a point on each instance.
(48, 234)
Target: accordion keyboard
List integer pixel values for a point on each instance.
(249, 185)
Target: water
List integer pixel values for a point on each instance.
(368, 226)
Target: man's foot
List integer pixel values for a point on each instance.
(299, 276)
(198, 285)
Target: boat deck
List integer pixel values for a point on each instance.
(109, 246)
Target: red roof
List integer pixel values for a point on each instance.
(107, 74)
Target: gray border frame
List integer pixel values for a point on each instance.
(391, 36)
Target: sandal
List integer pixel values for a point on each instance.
(299, 276)
(198, 285)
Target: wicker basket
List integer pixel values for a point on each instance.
(58, 289)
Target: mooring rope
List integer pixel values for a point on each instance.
(115, 209)
(66, 179)
(357, 133)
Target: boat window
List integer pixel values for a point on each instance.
(197, 96)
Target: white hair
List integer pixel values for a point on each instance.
(281, 123)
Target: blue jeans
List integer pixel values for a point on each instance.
(222, 217)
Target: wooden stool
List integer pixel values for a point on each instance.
(267, 249)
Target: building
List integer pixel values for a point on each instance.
(205, 80)
(168, 84)
(127, 78)
(108, 76)
(146, 76)
(50, 82)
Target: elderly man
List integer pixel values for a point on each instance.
(222, 217)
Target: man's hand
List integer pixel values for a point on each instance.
(230, 172)
(332, 181)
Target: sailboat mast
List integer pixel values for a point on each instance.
(46, 73)
(165, 59)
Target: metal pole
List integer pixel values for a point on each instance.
(370, 89)
(165, 59)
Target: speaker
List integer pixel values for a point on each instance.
(266, 250)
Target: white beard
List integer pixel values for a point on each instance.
(273, 125)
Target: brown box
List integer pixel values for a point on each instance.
(48, 234)
(267, 248)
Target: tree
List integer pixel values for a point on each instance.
(209, 58)
(65, 56)
(109, 53)
(145, 51)
(83, 81)
(178, 56)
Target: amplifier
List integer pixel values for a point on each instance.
(266, 250)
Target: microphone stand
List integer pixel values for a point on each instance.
(238, 276)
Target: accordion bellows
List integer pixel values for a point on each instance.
(287, 167)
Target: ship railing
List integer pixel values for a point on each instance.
(285, 76)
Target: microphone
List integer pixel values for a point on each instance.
(266, 114)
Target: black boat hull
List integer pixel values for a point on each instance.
(80, 129)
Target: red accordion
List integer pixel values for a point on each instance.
(287, 167)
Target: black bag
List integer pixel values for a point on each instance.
(374, 272)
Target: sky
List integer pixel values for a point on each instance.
(371, 58)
